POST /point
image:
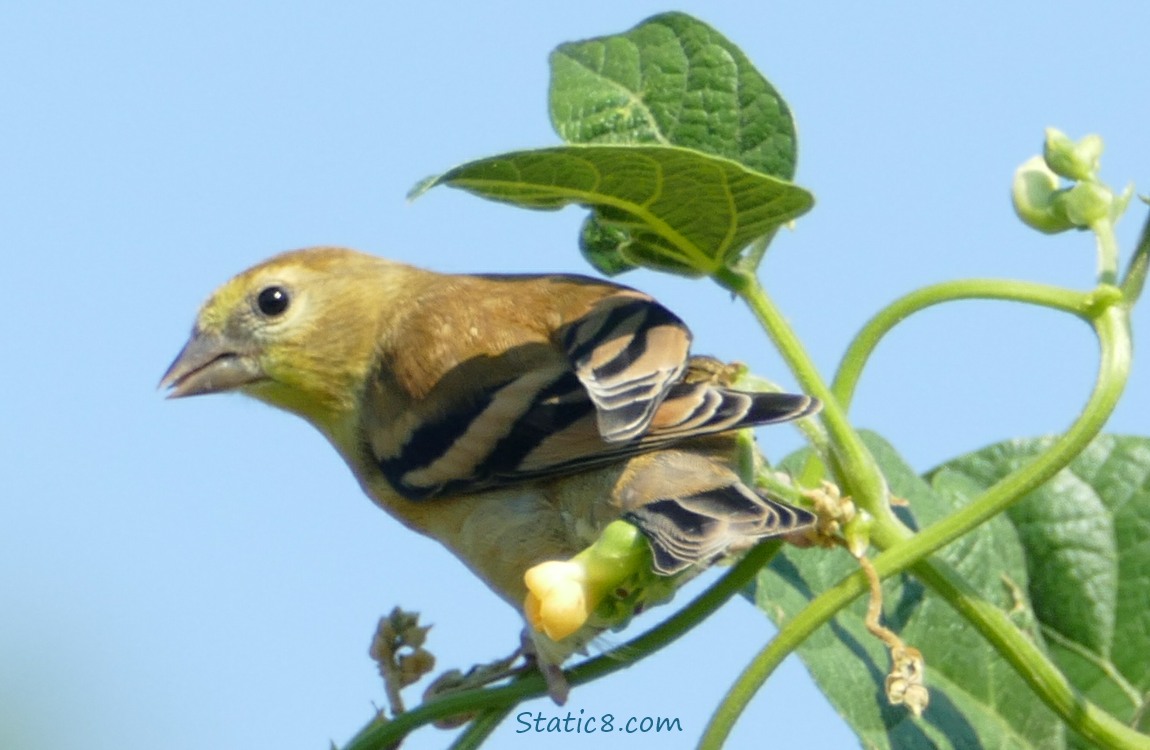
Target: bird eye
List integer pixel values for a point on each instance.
(273, 301)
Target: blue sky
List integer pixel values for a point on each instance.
(206, 573)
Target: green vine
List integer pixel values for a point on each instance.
(908, 551)
(1107, 310)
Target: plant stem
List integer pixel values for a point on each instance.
(865, 341)
(1135, 277)
(856, 470)
(1107, 243)
(480, 728)
(1047, 681)
(1112, 328)
(382, 735)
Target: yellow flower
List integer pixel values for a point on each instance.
(558, 600)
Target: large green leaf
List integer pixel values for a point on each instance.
(1086, 540)
(671, 208)
(1070, 562)
(977, 700)
(681, 149)
(672, 80)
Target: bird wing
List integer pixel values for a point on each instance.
(541, 379)
(627, 353)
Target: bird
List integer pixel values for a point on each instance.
(512, 418)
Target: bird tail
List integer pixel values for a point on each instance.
(695, 522)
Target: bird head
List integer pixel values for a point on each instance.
(297, 331)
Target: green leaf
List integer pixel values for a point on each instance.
(604, 246)
(977, 700)
(672, 80)
(681, 210)
(1086, 539)
(683, 151)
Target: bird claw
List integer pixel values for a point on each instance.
(480, 675)
(557, 686)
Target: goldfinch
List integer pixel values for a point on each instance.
(511, 418)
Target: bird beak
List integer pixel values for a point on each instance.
(211, 363)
